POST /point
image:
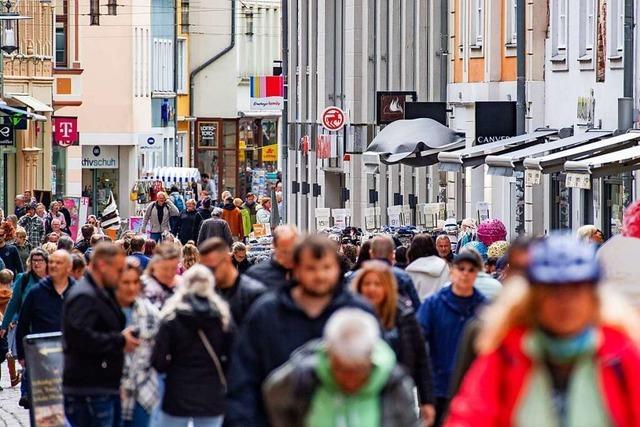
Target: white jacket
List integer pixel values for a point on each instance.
(429, 274)
(263, 216)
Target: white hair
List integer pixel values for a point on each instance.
(198, 281)
(351, 335)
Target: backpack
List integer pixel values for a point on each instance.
(178, 201)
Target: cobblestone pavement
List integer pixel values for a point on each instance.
(11, 415)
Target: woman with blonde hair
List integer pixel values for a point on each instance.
(192, 348)
(376, 283)
(190, 256)
(556, 351)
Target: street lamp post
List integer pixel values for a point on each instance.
(9, 34)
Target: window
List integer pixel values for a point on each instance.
(478, 22)
(61, 45)
(590, 23)
(619, 16)
(562, 24)
(62, 38)
(162, 63)
(181, 66)
(184, 15)
(463, 25)
(512, 20)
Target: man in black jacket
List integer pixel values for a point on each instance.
(277, 271)
(94, 342)
(42, 308)
(283, 320)
(238, 290)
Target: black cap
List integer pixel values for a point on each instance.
(469, 256)
(30, 206)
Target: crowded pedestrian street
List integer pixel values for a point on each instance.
(311, 213)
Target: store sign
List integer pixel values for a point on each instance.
(323, 218)
(532, 177)
(19, 121)
(578, 180)
(274, 103)
(100, 157)
(6, 135)
(150, 143)
(391, 106)
(65, 131)
(270, 153)
(495, 121)
(207, 134)
(333, 119)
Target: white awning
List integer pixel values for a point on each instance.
(579, 173)
(454, 161)
(178, 175)
(554, 162)
(505, 164)
(33, 103)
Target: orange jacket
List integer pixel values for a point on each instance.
(234, 219)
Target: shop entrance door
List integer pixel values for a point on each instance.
(561, 203)
(104, 181)
(617, 196)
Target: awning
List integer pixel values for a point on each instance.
(505, 164)
(606, 164)
(34, 104)
(11, 111)
(554, 162)
(178, 175)
(414, 142)
(455, 161)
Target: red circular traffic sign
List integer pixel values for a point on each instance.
(333, 118)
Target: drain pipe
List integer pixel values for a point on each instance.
(213, 59)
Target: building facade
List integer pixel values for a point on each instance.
(27, 83)
(235, 138)
(342, 54)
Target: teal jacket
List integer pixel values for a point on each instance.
(18, 297)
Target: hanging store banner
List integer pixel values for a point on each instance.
(43, 354)
(84, 210)
(601, 41)
(370, 218)
(6, 135)
(270, 153)
(73, 206)
(391, 106)
(407, 215)
(150, 143)
(495, 120)
(266, 93)
(394, 213)
(340, 217)
(323, 146)
(483, 211)
(65, 131)
(323, 218)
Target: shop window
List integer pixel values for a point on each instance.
(512, 22)
(561, 203)
(59, 171)
(477, 23)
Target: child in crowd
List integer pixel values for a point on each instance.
(24, 247)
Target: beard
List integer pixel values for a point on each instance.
(313, 292)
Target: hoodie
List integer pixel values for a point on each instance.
(303, 392)
(429, 274)
(5, 296)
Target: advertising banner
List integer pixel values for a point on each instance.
(135, 224)
(43, 354)
(65, 131)
(73, 206)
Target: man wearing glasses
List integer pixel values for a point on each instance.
(443, 317)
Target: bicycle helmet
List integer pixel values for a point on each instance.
(560, 260)
(479, 247)
(491, 230)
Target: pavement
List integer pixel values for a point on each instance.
(11, 415)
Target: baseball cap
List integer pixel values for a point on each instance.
(470, 256)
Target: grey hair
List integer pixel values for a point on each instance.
(197, 281)
(351, 335)
(442, 237)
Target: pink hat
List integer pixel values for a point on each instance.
(491, 230)
(631, 220)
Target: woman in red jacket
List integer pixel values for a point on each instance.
(559, 352)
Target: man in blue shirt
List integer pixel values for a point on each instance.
(137, 248)
(443, 317)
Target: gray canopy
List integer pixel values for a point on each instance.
(414, 142)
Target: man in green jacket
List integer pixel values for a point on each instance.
(246, 216)
(350, 378)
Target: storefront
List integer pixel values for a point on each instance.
(240, 155)
(100, 175)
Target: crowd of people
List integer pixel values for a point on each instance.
(166, 331)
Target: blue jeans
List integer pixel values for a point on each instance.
(24, 384)
(141, 418)
(92, 411)
(166, 420)
(156, 237)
